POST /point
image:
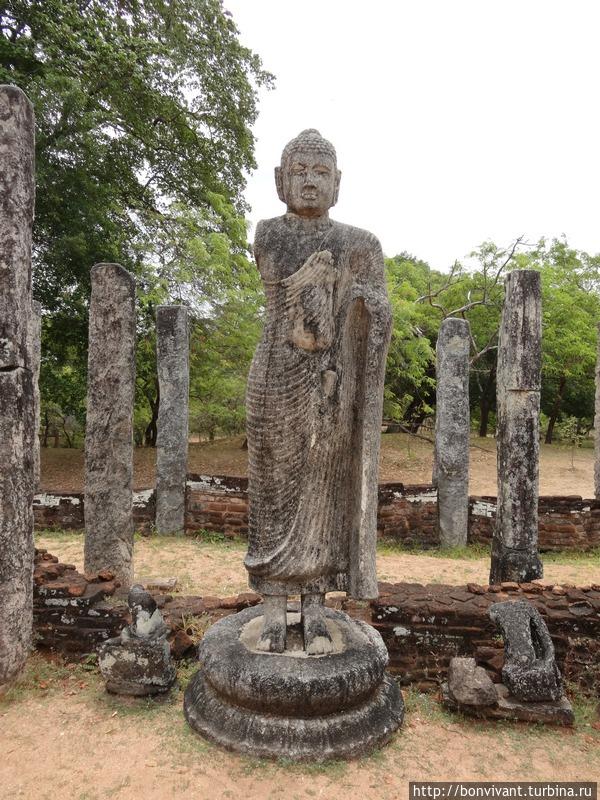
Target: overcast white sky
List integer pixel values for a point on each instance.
(455, 121)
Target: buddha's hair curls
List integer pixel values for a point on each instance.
(310, 140)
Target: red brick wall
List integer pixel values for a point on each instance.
(423, 627)
(407, 513)
(217, 503)
(565, 523)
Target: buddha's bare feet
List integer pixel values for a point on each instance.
(317, 641)
(273, 636)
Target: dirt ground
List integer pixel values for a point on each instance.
(62, 736)
(403, 458)
(216, 568)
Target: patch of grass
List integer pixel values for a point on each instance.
(585, 709)
(423, 705)
(572, 557)
(210, 537)
(180, 740)
(149, 706)
(471, 552)
(477, 551)
(203, 536)
(44, 674)
(60, 535)
(186, 669)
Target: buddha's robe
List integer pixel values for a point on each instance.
(314, 408)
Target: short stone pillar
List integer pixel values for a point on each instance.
(35, 350)
(452, 425)
(109, 426)
(515, 543)
(172, 360)
(16, 381)
(597, 425)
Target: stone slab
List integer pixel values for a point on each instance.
(559, 712)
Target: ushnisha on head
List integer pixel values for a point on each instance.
(308, 180)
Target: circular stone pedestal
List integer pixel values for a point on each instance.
(291, 705)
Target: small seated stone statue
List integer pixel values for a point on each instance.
(138, 661)
(530, 672)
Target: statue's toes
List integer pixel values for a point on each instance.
(272, 641)
(320, 646)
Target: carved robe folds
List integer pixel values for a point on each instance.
(314, 407)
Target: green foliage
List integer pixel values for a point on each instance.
(571, 311)
(410, 380)
(143, 109)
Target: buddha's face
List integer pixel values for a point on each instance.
(308, 183)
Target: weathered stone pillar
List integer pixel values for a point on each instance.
(452, 425)
(16, 381)
(35, 350)
(172, 359)
(597, 424)
(109, 426)
(514, 548)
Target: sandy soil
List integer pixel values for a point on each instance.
(62, 736)
(403, 458)
(206, 568)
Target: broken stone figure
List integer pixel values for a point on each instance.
(138, 661)
(529, 672)
(271, 679)
(470, 685)
(531, 688)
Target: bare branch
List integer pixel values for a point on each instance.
(404, 429)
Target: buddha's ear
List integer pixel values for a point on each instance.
(336, 187)
(279, 183)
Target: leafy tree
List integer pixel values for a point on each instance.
(410, 371)
(571, 310)
(570, 432)
(143, 108)
(475, 294)
(214, 276)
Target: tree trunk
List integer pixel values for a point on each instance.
(486, 402)
(67, 437)
(414, 416)
(46, 430)
(555, 410)
(152, 429)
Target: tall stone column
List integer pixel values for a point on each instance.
(109, 425)
(16, 381)
(172, 358)
(597, 425)
(35, 350)
(452, 425)
(514, 548)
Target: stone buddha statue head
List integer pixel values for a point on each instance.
(308, 180)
